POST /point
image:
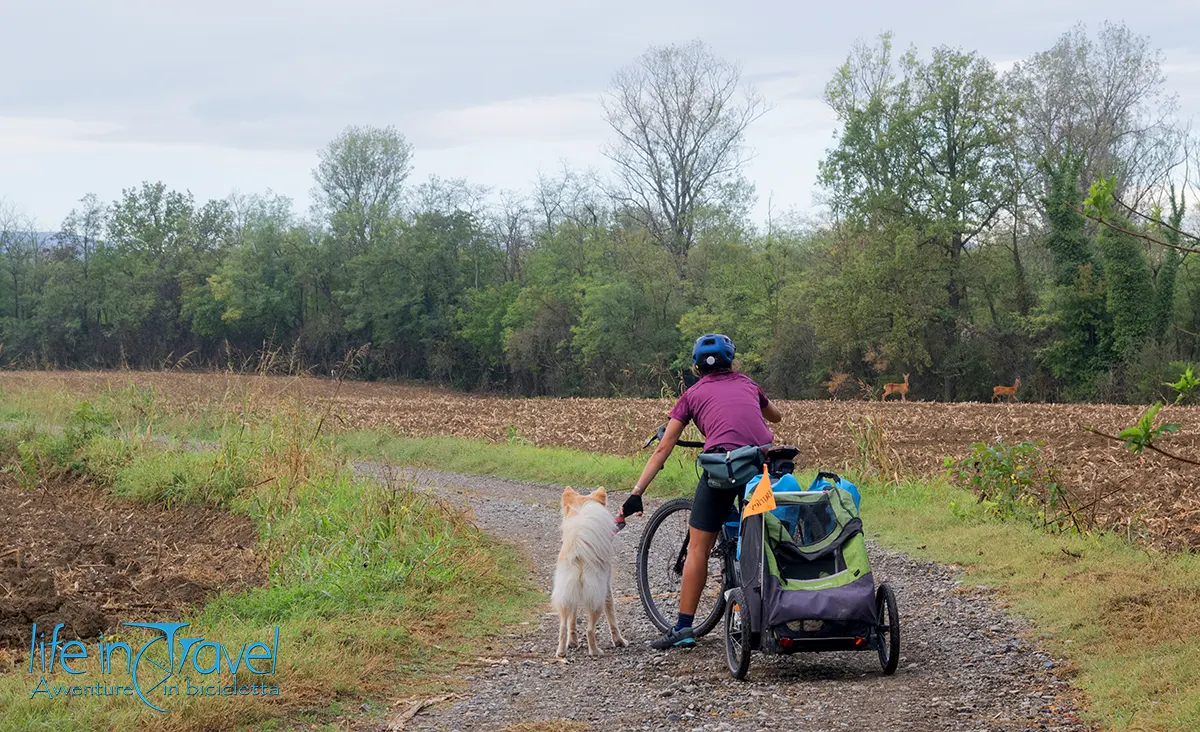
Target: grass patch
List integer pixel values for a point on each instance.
(377, 588)
(1124, 618)
(521, 461)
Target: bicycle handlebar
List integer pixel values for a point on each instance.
(662, 430)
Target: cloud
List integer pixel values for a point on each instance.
(241, 93)
(573, 118)
(34, 135)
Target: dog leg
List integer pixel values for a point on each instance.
(571, 639)
(562, 633)
(610, 610)
(592, 621)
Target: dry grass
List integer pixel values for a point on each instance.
(1149, 497)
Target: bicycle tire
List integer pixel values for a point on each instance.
(737, 650)
(665, 621)
(889, 645)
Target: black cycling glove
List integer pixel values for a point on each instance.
(632, 505)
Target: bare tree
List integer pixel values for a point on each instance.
(445, 196)
(680, 124)
(514, 228)
(572, 212)
(549, 194)
(572, 196)
(1103, 99)
(251, 210)
(19, 244)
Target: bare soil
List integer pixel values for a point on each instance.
(70, 553)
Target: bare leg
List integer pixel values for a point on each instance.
(610, 610)
(592, 620)
(562, 633)
(695, 569)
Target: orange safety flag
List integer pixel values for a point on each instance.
(763, 499)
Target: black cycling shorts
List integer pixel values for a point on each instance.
(711, 506)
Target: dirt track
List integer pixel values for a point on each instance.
(965, 664)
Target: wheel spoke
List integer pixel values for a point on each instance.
(661, 558)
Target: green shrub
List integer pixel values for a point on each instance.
(103, 457)
(86, 422)
(1012, 481)
(173, 477)
(41, 457)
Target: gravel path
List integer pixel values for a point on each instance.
(965, 664)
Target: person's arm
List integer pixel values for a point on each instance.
(771, 412)
(633, 504)
(659, 458)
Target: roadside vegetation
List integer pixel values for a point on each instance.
(375, 587)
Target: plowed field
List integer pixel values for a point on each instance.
(1149, 496)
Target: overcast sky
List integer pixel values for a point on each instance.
(218, 95)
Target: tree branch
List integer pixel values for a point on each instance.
(1163, 224)
(1160, 451)
(1146, 237)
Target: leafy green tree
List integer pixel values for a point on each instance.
(630, 303)
(1168, 268)
(407, 287)
(1067, 240)
(929, 143)
(1130, 291)
(256, 296)
(359, 181)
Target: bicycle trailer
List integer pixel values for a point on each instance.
(806, 581)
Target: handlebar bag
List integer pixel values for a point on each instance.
(732, 469)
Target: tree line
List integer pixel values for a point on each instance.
(956, 246)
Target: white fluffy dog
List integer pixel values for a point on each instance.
(583, 577)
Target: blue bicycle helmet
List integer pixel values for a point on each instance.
(713, 349)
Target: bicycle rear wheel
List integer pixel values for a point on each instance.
(660, 558)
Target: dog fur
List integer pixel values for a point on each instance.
(583, 576)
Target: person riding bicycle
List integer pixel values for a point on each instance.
(728, 408)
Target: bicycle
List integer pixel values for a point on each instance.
(868, 622)
(722, 559)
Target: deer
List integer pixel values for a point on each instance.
(1006, 391)
(901, 389)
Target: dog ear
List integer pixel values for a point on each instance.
(570, 501)
(599, 496)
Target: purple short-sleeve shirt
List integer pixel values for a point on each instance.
(727, 409)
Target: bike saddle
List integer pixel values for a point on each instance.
(780, 459)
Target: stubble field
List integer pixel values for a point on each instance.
(1147, 497)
